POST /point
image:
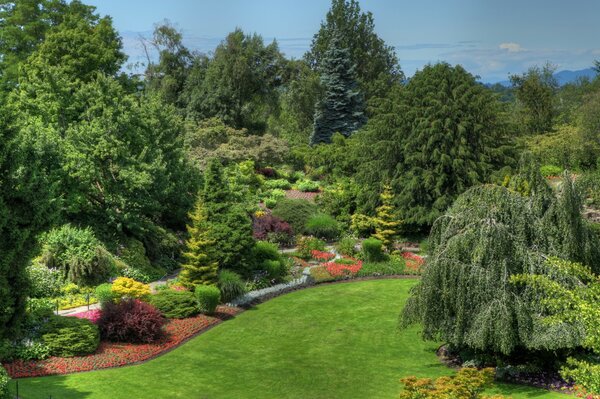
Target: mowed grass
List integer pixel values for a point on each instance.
(332, 341)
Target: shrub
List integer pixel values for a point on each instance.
(586, 376)
(362, 225)
(270, 202)
(306, 245)
(267, 227)
(124, 287)
(131, 320)
(346, 246)
(468, 383)
(4, 380)
(266, 257)
(372, 250)
(231, 285)
(104, 293)
(138, 265)
(175, 304)
(551, 170)
(267, 172)
(78, 254)
(70, 336)
(394, 266)
(32, 350)
(208, 298)
(308, 186)
(320, 274)
(282, 184)
(296, 212)
(43, 281)
(323, 226)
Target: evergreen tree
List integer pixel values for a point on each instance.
(491, 233)
(377, 68)
(341, 110)
(200, 266)
(386, 221)
(432, 140)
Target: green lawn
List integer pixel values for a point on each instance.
(336, 341)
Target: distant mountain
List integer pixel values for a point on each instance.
(565, 77)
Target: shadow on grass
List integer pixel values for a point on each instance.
(45, 388)
(523, 390)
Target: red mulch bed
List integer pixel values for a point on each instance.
(296, 194)
(112, 354)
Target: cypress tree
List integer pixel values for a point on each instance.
(342, 108)
(200, 266)
(386, 222)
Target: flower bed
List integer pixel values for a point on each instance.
(343, 269)
(414, 262)
(91, 315)
(321, 255)
(110, 354)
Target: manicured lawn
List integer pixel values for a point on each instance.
(336, 341)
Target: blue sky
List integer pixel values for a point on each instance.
(489, 38)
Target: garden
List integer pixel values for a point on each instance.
(245, 224)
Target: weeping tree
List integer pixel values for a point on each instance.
(466, 297)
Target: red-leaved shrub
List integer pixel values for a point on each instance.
(264, 227)
(267, 172)
(131, 320)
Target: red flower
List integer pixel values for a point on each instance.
(340, 269)
(321, 255)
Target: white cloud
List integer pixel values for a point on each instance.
(511, 47)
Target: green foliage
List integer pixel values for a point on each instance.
(535, 91)
(266, 257)
(175, 304)
(372, 250)
(430, 153)
(392, 267)
(565, 147)
(308, 186)
(323, 226)
(550, 170)
(341, 109)
(346, 246)
(211, 138)
(78, 254)
(208, 298)
(585, 375)
(231, 285)
(43, 281)
(305, 245)
(4, 381)
(491, 233)
(138, 266)
(239, 83)
(376, 63)
(70, 336)
(104, 293)
(282, 184)
(386, 221)
(296, 212)
(200, 265)
(362, 225)
(229, 222)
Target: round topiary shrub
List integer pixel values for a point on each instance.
(231, 285)
(296, 212)
(131, 320)
(208, 297)
(70, 336)
(104, 293)
(372, 250)
(125, 287)
(175, 304)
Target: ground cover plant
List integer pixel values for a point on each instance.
(325, 321)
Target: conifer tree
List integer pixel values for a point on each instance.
(342, 108)
(200, 266)
(386, 222)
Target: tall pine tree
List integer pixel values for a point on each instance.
(342, 108)
(200, 266)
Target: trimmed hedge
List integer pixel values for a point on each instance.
(208, 298)
(175, 304)
(70, 336)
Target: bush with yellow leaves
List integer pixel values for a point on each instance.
(125, 287)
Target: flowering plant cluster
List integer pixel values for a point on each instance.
(92, 315)
(343, 269)
(321, 256)
(110, 354)
(413, 261)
